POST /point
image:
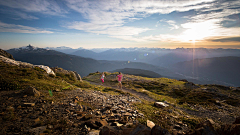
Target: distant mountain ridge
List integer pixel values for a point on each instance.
(226, 70)
(83, 66)
(138, 72)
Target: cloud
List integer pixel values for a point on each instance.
(26, 16)
(49, 7)
(228, 39)
(172, 23)
(4, 27)
(109, 17)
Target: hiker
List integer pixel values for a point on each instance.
(120, 76)
(102, 77)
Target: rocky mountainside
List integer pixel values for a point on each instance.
(6, 54)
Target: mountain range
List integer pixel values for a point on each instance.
(208, 66)
(83, 66)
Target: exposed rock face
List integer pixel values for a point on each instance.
(31, 91)
(24, 64)
(63, 71)
(6, 54)
(46, 68)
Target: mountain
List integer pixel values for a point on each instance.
(83, 66)
(138, 72)
(220, 70)
(85, 53)
(187, 54)
(62, 49)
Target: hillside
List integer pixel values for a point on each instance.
(138, 72)
(63, 105)
(221, 70)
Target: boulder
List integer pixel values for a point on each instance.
(205, 128)
(108, 130)
(237, 121)
(31, 91)
(160, 104)
(157, 130)
(150, 124)
(46, 68)
(141, 130)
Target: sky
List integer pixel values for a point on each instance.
(120, 23)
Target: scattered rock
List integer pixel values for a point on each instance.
(160, 104)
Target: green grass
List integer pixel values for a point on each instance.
(16, 78)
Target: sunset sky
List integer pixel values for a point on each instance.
(120, 23)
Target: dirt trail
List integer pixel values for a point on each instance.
(133, 92)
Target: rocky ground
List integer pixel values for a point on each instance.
(81, 112)
(71, 112)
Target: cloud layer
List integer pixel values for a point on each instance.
(211, 19)
(4, 27)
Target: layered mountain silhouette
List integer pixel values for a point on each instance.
(138, 72)
(83, 66)
(221, 70)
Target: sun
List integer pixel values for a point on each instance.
(198, 31)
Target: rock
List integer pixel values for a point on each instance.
(101, 122)
(87, 117)
(46, 68)
(50, 126)
(127, 114)
(160, 104)
(141, 130)
(56, 90)
(150, 124)
(108, 130)
(38, 130)
(177, 127)
(78, 77)
(157, 130)
(94, 132)
(29, 104)
(237, 121)
(10, 109)
(205, 128)
(31, 91)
